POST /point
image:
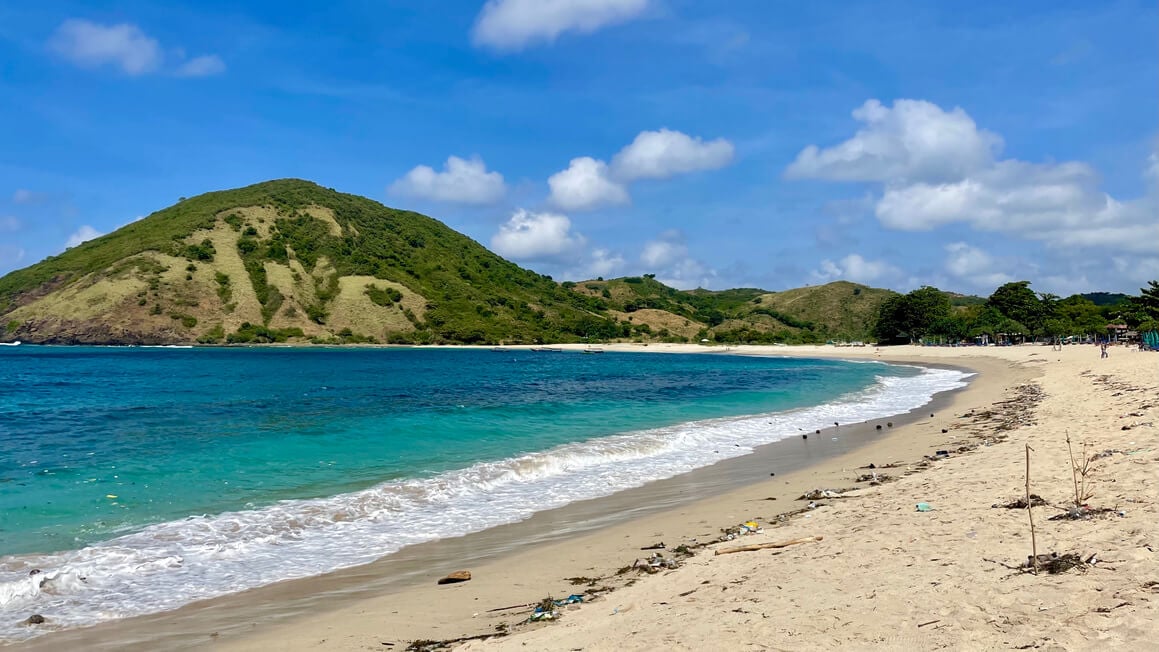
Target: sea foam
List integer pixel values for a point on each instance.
(167, 565)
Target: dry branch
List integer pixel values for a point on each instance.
(765, 546)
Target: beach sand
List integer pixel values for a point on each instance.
(884, 576)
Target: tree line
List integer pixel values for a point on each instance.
(1013, 311)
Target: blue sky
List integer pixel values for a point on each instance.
(767, 144)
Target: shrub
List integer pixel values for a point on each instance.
(203, 251)
(213, 335)
(383, 297)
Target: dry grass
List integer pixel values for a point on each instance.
(658, 319)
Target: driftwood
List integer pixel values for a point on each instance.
(765, 546)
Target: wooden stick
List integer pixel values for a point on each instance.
(1030, 515)
(765, 546)
(1074, 475)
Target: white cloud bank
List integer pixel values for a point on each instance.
(515, 24)
(667, 257)
(124, 46)
(528, 236)
(83, 234)
(590, 183)
(974, 267)
(665, 153)
(464, 181)
(938, 168)
(584, 185)
(856, 268)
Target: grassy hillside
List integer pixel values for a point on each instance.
(838, 310)
(289, 260)
(286, 259)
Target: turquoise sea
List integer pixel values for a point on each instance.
(137, 480)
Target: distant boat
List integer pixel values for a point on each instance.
(593, 350)
(16, 343)
(547, 349)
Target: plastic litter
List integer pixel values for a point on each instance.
(924, 507)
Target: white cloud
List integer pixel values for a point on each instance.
(603, 263)
(667, 257)
(515, 24)
(914, 140)
(537, 237)
(669, 248)
(9, 223)
(585, 185)
(83, 234)
(90, 44)
(855, 268)
(124, 46)
(974, 266)
(462, 181)
(1057, 203)
(937, 168)
(666, 153)
(203, 66)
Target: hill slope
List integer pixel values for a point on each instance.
(285, 259)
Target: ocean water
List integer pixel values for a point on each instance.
(138, 480)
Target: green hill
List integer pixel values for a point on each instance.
(289, 260)
(286, 259)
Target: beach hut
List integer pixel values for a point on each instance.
(1117, 332)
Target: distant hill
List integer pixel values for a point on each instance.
(289, 260)
(1105, 298)
(964, 300)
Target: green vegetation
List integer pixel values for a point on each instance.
(387, 297)
(1013, 312)
(213, 336)
(188, 321)
(249, 333)
(224, 288)
(203, 251)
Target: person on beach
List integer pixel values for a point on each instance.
(1104, 350)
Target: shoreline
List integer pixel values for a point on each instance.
(506, 552)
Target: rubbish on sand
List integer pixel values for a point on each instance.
(924, 507)
(654, 546)
(765, 546)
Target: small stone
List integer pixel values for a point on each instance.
(456, 577)
(879, 426)
(35, 619)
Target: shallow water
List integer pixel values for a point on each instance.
(139, 480)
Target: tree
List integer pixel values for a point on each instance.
(1081, 316)
(911, 316)
(1019, 303)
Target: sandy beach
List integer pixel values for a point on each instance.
(883, 575)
